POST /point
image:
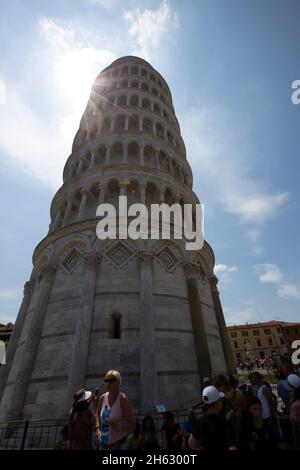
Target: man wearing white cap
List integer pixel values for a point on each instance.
(293, 382)
(292, 385)
(212, 431)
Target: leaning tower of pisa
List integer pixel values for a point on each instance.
(147, 308)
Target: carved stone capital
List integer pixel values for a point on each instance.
(47, 272)
(146, 259)
(28, 286)
(92, 260)
(192, 271)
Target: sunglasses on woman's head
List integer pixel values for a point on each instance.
(110, 381)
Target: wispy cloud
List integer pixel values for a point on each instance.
(269, 273)
(41, 142)
(289, 291)
(74, 63)
(239, 316)
(35, 146)
(148, 27)
(254, 235)
(107, 4)
(224, 272)
(220, 153)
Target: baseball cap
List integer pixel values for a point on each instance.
(242, 381)
(292, 382)
(211, 394)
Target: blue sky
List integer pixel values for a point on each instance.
(229, 65)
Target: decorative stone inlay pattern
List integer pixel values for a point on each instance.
(202, 278)
(71, 261)
(118, 254)
(167, 259)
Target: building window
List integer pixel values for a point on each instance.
(233, 334)
(235, 344)
(238, 356)
(278, 330)
(255, 332)
(258, 342)
(245, 333)
(267, 331)
(296, 330)
(281, 340)
(262, 354)
(270, 341)
(288, 331)
(115, 326)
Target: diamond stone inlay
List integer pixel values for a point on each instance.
(118, 254)
(71, 261)
(167, 259)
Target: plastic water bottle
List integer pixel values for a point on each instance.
(105, 426)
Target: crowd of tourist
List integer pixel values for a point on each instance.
(265, 363)
(233, 414)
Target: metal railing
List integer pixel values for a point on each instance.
(23, 435)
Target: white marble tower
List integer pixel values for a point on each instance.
(147, 308)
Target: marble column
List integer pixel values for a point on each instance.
(140, 123)
(26, 363)
(107, 155)
(67, 212)
(79, 359)
(147, 328)
(126, 122)
(181, 174)
(123, 190)
(57, 219)
(170, 163)
(157, 162)
(161, 195)
(102, 189)
(79, 168)
(82, 206)
(16, 334)
(141, 154)
(222, 325)
(143, 192)
(154, 128)
(112, 124)
(192, 273)
(93, 159)
(125, 152)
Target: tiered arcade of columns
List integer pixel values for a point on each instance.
(147, 308)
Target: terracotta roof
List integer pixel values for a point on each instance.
(263, 324)
(8, 327)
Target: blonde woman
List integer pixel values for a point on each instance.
(120, 421)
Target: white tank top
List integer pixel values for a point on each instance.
(264, 402)
(116, 415)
